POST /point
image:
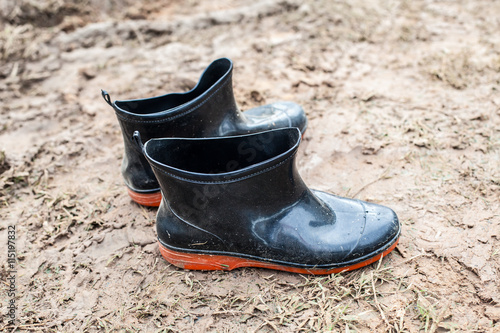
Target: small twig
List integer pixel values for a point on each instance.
(410, 259)
(438, 319)
(266, 322)
(377, 303)
(26, 326)
(383, 176)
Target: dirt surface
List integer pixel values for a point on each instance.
(404, 110)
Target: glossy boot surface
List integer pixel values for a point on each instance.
(208, 110)
(239, 201)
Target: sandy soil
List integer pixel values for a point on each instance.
(404, 110)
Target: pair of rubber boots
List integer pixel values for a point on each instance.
(232, 195)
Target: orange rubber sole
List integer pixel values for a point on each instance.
(210, 262)
(145, 199)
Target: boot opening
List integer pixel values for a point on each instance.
(222, 155)
(210, 77)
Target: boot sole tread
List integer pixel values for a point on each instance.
(208, 262)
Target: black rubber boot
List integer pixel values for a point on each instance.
(239, 201)
(208, 110)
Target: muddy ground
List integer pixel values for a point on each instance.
(404, 110)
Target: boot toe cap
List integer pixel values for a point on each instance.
(381, 230)
(276, 115)
(363, 229)
(295, 114)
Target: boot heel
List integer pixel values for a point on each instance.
(145, 199)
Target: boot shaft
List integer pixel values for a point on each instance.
(201, 112)
(196, 113)
(228, 177)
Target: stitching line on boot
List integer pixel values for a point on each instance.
(224, 181)
(125, 118)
